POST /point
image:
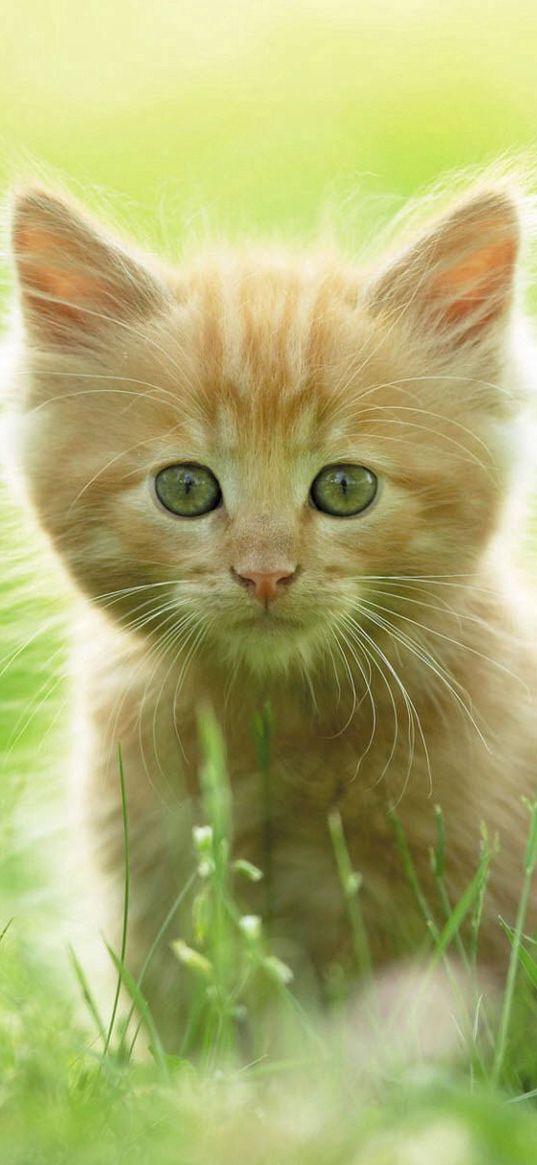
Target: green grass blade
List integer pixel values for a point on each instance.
(214, 779)
(126, 896)
(350, 882)
(526, 961)
(488, 849)
(6, 928)
(128, 980)
(451, 929)
(88, 995)
(438, 863)
(530, 860)
(151, 953)
(263, 732)
(409, 870)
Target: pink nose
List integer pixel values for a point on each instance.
(266, 585)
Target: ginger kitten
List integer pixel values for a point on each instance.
(284, 478)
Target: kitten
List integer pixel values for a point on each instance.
(289, 479)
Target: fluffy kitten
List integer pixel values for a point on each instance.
(286, 478)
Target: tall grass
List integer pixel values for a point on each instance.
(277, 1081)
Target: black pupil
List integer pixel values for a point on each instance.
(188, 482)
(343, 483)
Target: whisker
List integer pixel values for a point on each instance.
(412, 716)
(458, 643)
(418, 724)
(422, 654)
(355, 631)
(192, 630)
(371, 700)
(350, 677)
(166, 649)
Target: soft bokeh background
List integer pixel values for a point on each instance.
(258, 111)
(240, 116)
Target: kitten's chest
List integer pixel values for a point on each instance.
(285, 806)
(284, 823)
(297, 768)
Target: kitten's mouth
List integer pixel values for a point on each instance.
(269, 621)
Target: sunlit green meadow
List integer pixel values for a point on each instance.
(181, 120)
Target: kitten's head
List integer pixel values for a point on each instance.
(248, 449)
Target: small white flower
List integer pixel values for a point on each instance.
(250, 925)
(192, 959)
(203, 837)
(253, 873)
(278, 970)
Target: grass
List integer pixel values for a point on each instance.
(272, 119)
(297, 1090)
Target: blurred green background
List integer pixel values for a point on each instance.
(257, 114)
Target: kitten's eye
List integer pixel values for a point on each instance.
(343, 490)
(188, 490)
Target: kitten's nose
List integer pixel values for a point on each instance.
(266, 584)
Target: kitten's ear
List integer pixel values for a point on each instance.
(457, 281)
(74, 281)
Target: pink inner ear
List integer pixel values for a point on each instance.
(74, 280)
(483, 278)
(458, 279)
(47, 275)
(63, 291)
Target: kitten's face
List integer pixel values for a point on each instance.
(252, 375)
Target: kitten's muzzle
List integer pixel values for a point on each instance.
(265, 585)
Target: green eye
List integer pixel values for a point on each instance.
(343, 490)
(188, 490)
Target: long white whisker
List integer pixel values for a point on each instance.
(412, 716)
(458, 643)
(350, 677)
(355, 630)
(422, 654)
(371, 701)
